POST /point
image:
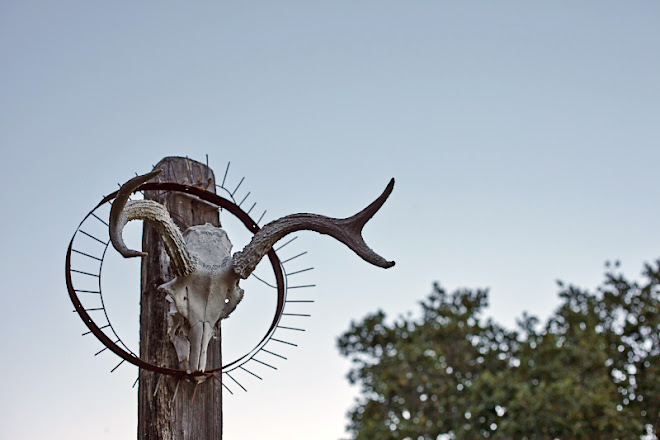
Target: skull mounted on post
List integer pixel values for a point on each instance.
(205, 288)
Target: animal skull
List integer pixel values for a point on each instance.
(205, 287)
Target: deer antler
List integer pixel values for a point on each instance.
(347, 230)
(124, 210)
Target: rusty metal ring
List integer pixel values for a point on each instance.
(130, 357)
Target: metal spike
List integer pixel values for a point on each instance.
(268, 365)
(237, 186)
(280, 247)
(242, 387)
(99, 219)
(157, 384)
(246, 196)
(176, 388)
(291, 328)
(295, 256)
(87, 255)
(222, 185)
(85, 273)
(250, 372)
(264, 281)
(95, 238)
(283, 342)
(223, 384)
(274, 354)
(122, 361)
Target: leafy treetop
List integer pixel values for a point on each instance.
(592, 371)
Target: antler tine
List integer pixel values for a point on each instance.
(123, 210)
(347, 230)
(352, 227)
(356, 223)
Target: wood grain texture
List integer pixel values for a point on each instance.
(196, 411)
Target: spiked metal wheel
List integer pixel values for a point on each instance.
(84, 270)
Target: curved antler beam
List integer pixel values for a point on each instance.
(347, 230)
(124, 210)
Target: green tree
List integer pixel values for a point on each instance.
(592, 371)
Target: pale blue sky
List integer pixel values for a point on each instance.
(523, 137)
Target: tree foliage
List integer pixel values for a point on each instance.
(592, 371)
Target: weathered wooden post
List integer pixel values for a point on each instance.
(196, 410)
